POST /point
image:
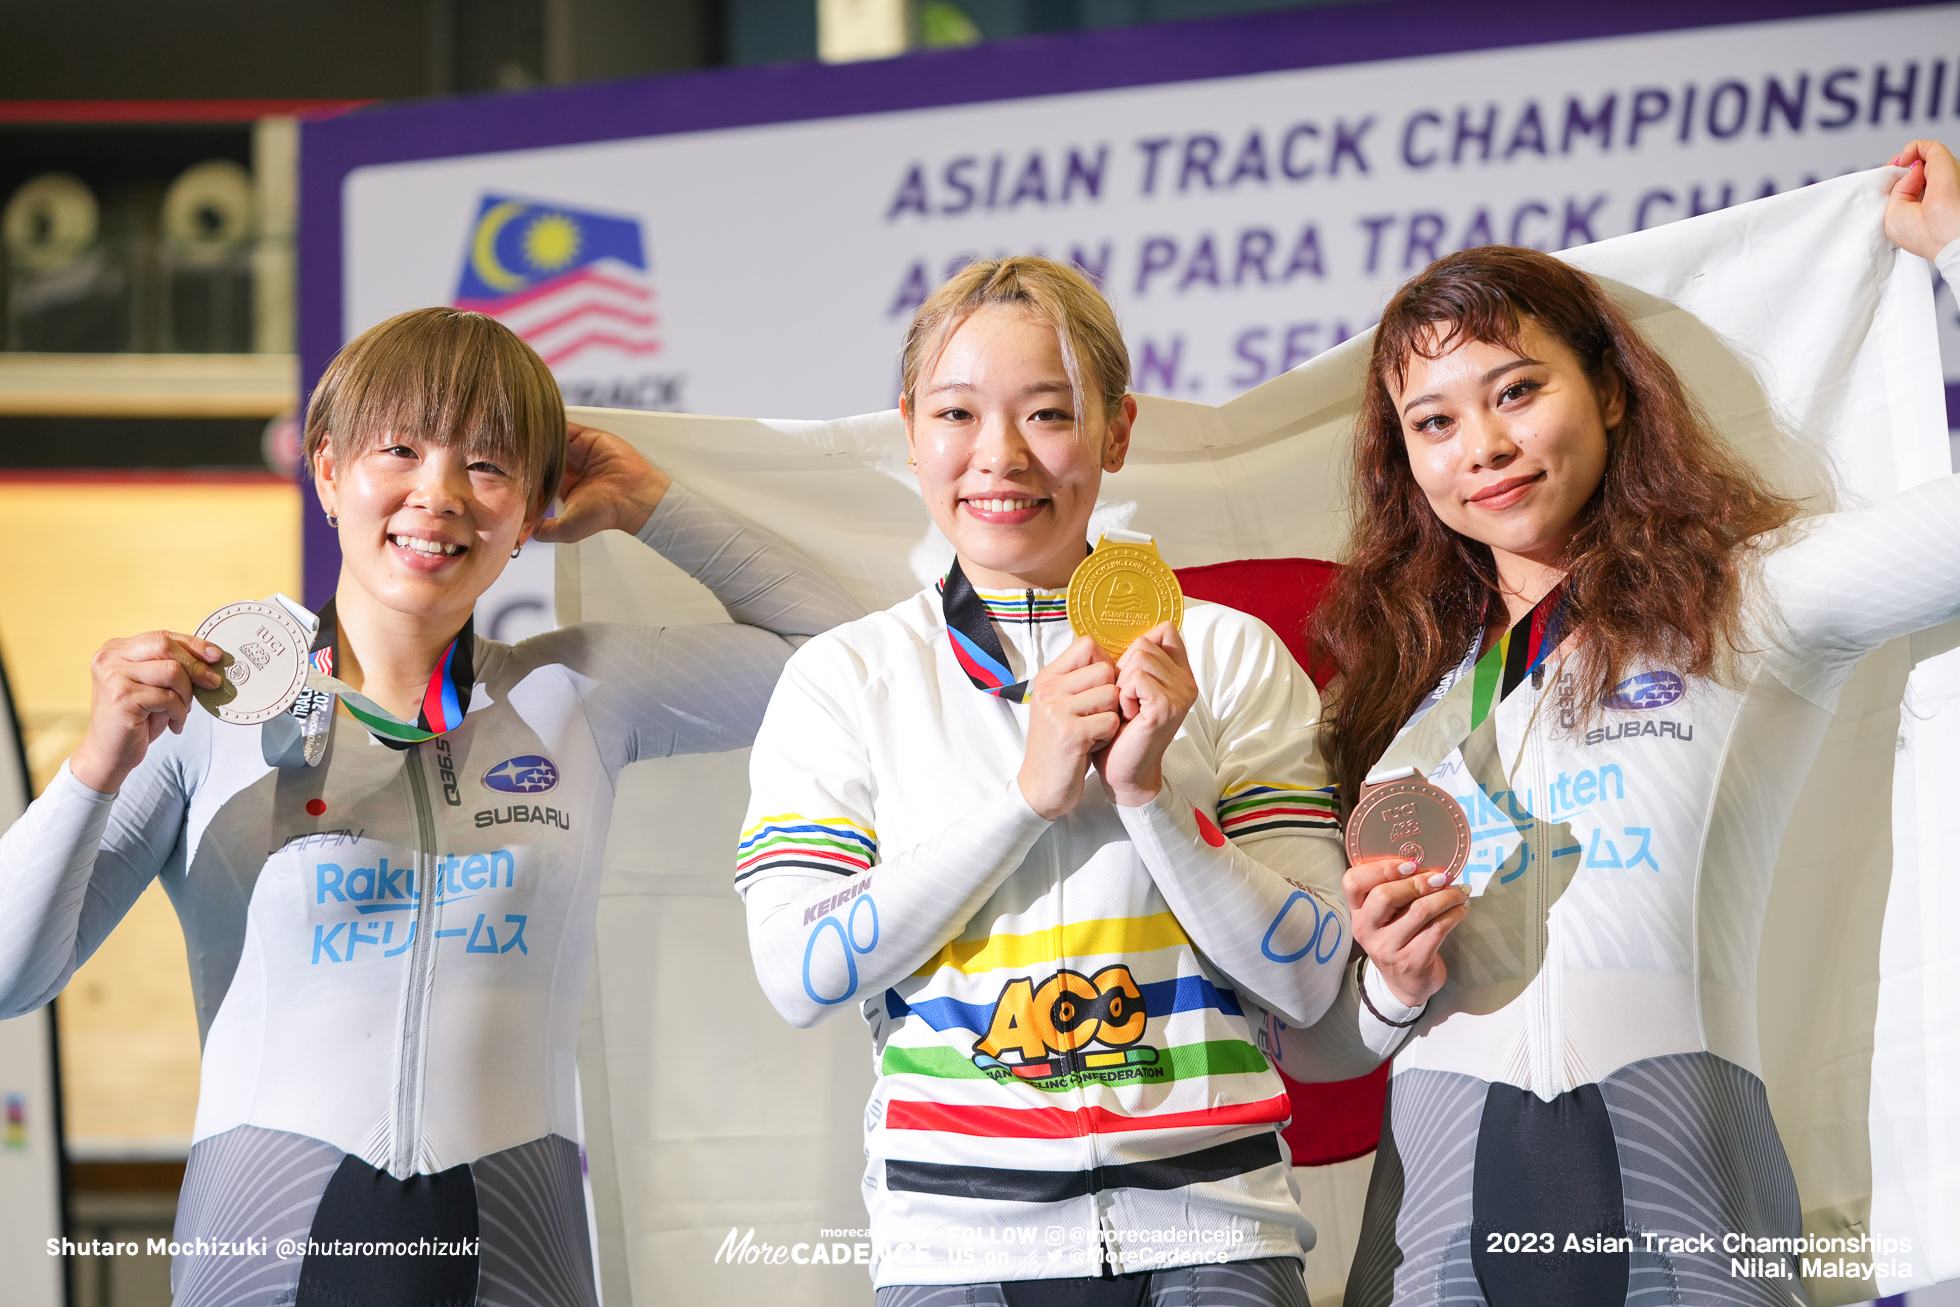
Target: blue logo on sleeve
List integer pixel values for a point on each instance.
(527, 773)
(1647, 690)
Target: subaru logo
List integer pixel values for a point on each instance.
(1647, 690)
(527, 773)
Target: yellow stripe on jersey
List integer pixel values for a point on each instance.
(1075, 940)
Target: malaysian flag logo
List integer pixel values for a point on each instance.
(570, 283)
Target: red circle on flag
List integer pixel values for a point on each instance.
(314, 807)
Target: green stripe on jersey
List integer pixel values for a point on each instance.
(1217, 1057)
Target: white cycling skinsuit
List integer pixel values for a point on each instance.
(388, 951)
(1070, 1019)
(1591, 1065)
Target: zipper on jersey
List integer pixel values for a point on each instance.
(1103, 1245)
(1545, 1056)
(1037, 658)
(412, 1056)
(1038, 652)
(1078, 1092)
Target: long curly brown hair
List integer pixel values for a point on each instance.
(1653, 574)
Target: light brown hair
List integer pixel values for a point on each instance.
(1051, 293)
(1654, 573)
(452, 378)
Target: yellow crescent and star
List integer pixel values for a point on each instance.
(551, 242)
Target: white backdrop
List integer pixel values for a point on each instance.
(1811, 343)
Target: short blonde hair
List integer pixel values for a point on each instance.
(1051, 293)
(452, 378)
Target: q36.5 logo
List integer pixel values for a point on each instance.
(1038, 1032)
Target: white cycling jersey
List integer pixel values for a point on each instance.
(1591, 1065)
(1069, 1019)
(388, 951)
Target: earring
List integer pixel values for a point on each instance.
(912, 463)
(333, 521)
(515, 552)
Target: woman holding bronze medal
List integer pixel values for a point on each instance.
(1065, 841)
(389, 903)
(1569, 610)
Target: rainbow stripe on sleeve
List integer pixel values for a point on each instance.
(833, 844)
(1259, 806)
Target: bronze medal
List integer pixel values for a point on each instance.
(1120, 591)
(1412, 820)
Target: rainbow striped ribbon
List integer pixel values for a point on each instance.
(976, 646)
(1464, 700)
(1516, 655)
(444, 702)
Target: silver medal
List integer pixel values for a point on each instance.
(264, 663)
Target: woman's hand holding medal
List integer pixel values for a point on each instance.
(1074, 707)
(139, 687)
(1119, 714)
(1400, 915)
(1157, 689)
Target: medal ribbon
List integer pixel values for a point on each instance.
(1435, 732)
(444, 702)
(1516, 655)
(976, 646)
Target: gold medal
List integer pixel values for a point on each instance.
(1122, 590)
(1412, 820)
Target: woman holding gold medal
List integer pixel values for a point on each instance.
(389, 906)
(1567, 606)
(1066, 875)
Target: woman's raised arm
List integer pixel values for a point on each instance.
(655, 691)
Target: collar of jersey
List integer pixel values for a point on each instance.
(1024, 605)
(445, 702)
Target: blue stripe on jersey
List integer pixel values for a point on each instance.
(1160, 998)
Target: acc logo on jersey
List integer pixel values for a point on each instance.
(1038, 1033)
(1647, 690)
(527, 773)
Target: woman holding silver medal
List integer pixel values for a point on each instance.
(389, 922)
(1063, 850)
(1534, 485)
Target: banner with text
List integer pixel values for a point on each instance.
(1242, 225)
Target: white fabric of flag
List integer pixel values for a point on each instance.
(1810, 341)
